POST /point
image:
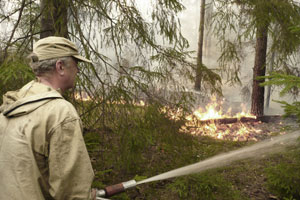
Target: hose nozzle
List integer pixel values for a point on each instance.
(115, 189)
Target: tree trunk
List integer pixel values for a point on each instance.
(271, 66)
(200, 48)
(257, 106)
(54, 18)
(209, 11)
(269, 86)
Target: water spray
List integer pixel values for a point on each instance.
(257, 150)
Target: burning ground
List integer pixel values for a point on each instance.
(239, 129)
(212, 121)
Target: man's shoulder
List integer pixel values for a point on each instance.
(61, 107)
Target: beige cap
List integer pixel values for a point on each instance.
(56, 47)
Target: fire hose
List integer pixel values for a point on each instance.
(115, 189)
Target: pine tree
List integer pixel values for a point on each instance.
(258, 92)
(255, 18)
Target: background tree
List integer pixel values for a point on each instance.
(206, 79)
(262, 24)
(255, 18)
(200, 47)
(269, 87)
(54, 18)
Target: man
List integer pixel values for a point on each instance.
(42, 151)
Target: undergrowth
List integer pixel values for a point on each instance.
(283, 177)
(207, 185)
(151, 144)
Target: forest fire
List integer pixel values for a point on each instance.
(212, 122)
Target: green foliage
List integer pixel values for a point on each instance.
(139, 66)
(283, 179)
(227, 21)
(291, 109)
(205, 186)
(212, 81)
(230, 61)
(289, 84)
(296, 30)
(14, 74)
(241, 18)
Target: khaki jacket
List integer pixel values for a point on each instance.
(42, 151)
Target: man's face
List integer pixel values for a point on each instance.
(71, 73)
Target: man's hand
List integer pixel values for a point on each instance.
(93, 193)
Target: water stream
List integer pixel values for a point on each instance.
(257, 150)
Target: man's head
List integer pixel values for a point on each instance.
(56, 47)
(55, 60)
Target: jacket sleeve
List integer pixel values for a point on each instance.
(70, 170)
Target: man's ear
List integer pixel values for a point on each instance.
(60, 69)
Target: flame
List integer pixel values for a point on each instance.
(82, 96)
(214, 111)
(142, 103)
(236, 132)
(211, 111)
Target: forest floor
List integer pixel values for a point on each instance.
(150, 149)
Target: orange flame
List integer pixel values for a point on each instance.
(236, 132)
(82, 96)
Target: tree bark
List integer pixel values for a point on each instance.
(257, 106)
(200, 48)
(54, 19)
